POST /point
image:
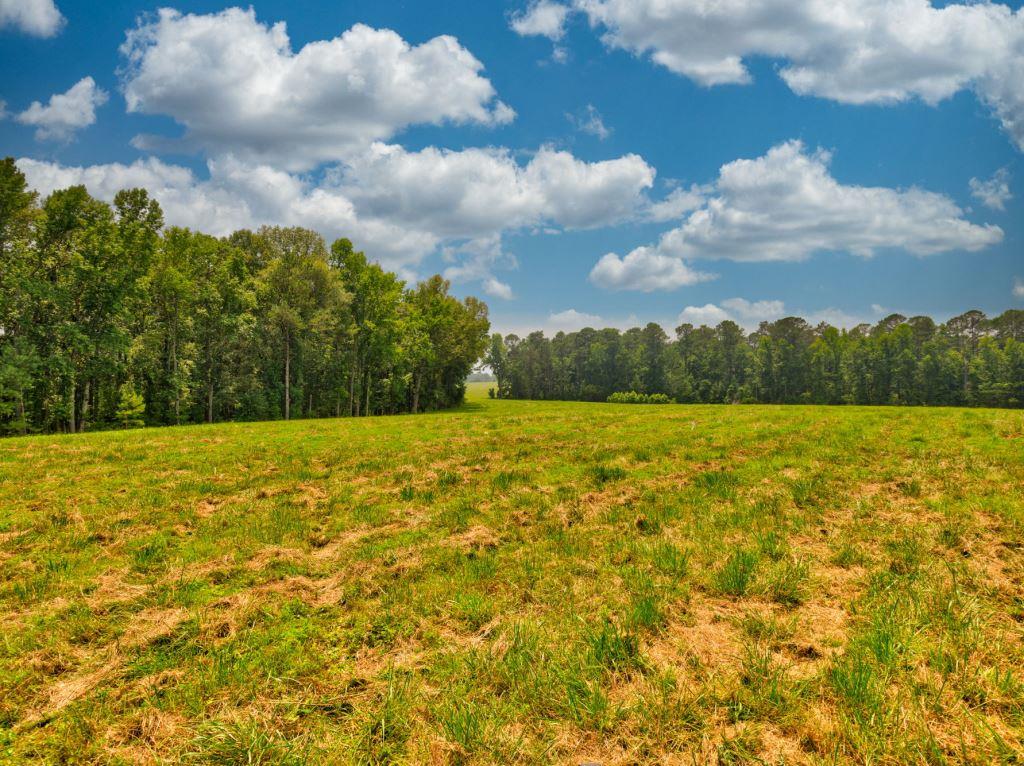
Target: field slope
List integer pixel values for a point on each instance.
(519, 582)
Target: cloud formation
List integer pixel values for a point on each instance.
(495, 288)
(476, 260)
(33, 17)
(750, 314)
(591, 122)
(851, 51)
(678, 203)
(542, 18)
(237, 87)
(786, 206)
(646, 270)
(65, 113)
(572, 320)
(739, 310)
(993, 193)
(709, 314)
(755, 311)
(401, 206)
(473, 192)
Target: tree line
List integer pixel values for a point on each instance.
(107, 318)
(969, 360)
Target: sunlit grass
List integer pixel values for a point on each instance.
(519, 582)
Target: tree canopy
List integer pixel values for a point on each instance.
(108, 318)
(970, 360)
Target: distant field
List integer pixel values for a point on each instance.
(519, 582)
(478, 391)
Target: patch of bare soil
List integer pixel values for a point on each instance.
(206, 508)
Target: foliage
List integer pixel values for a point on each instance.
(100, 304)
(970, 360)
(131, 407)
(632, 397)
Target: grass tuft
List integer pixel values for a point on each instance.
(603, 474)
(736, 576)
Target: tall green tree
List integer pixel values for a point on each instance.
(296, 284)
(374, 296)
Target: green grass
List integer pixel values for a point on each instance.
(519, 582)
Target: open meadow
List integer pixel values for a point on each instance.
(519, 582)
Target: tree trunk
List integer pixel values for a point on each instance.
(353, 403)
(85, 405)
(416, 394)
(21, 411)
(174, 377)
(287, 377)
(366, 409)
(72, 420)
(209, 398)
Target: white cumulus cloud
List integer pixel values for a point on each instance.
(757, 311)
(473, 192)
(237, 86)
(495, 288)
(572, 320)
(678, 203)
(852, 51)
(66, 112)
(542, 18)
(34, 17)
(400, 206)
(709, 314)
(750, 314)
(739, 310)
(786, 206)
(1018, 288)
(995, 192)
(645, 269)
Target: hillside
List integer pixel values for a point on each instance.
(519, 582)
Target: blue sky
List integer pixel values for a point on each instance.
(852, 196)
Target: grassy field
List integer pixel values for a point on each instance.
(519, 582)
